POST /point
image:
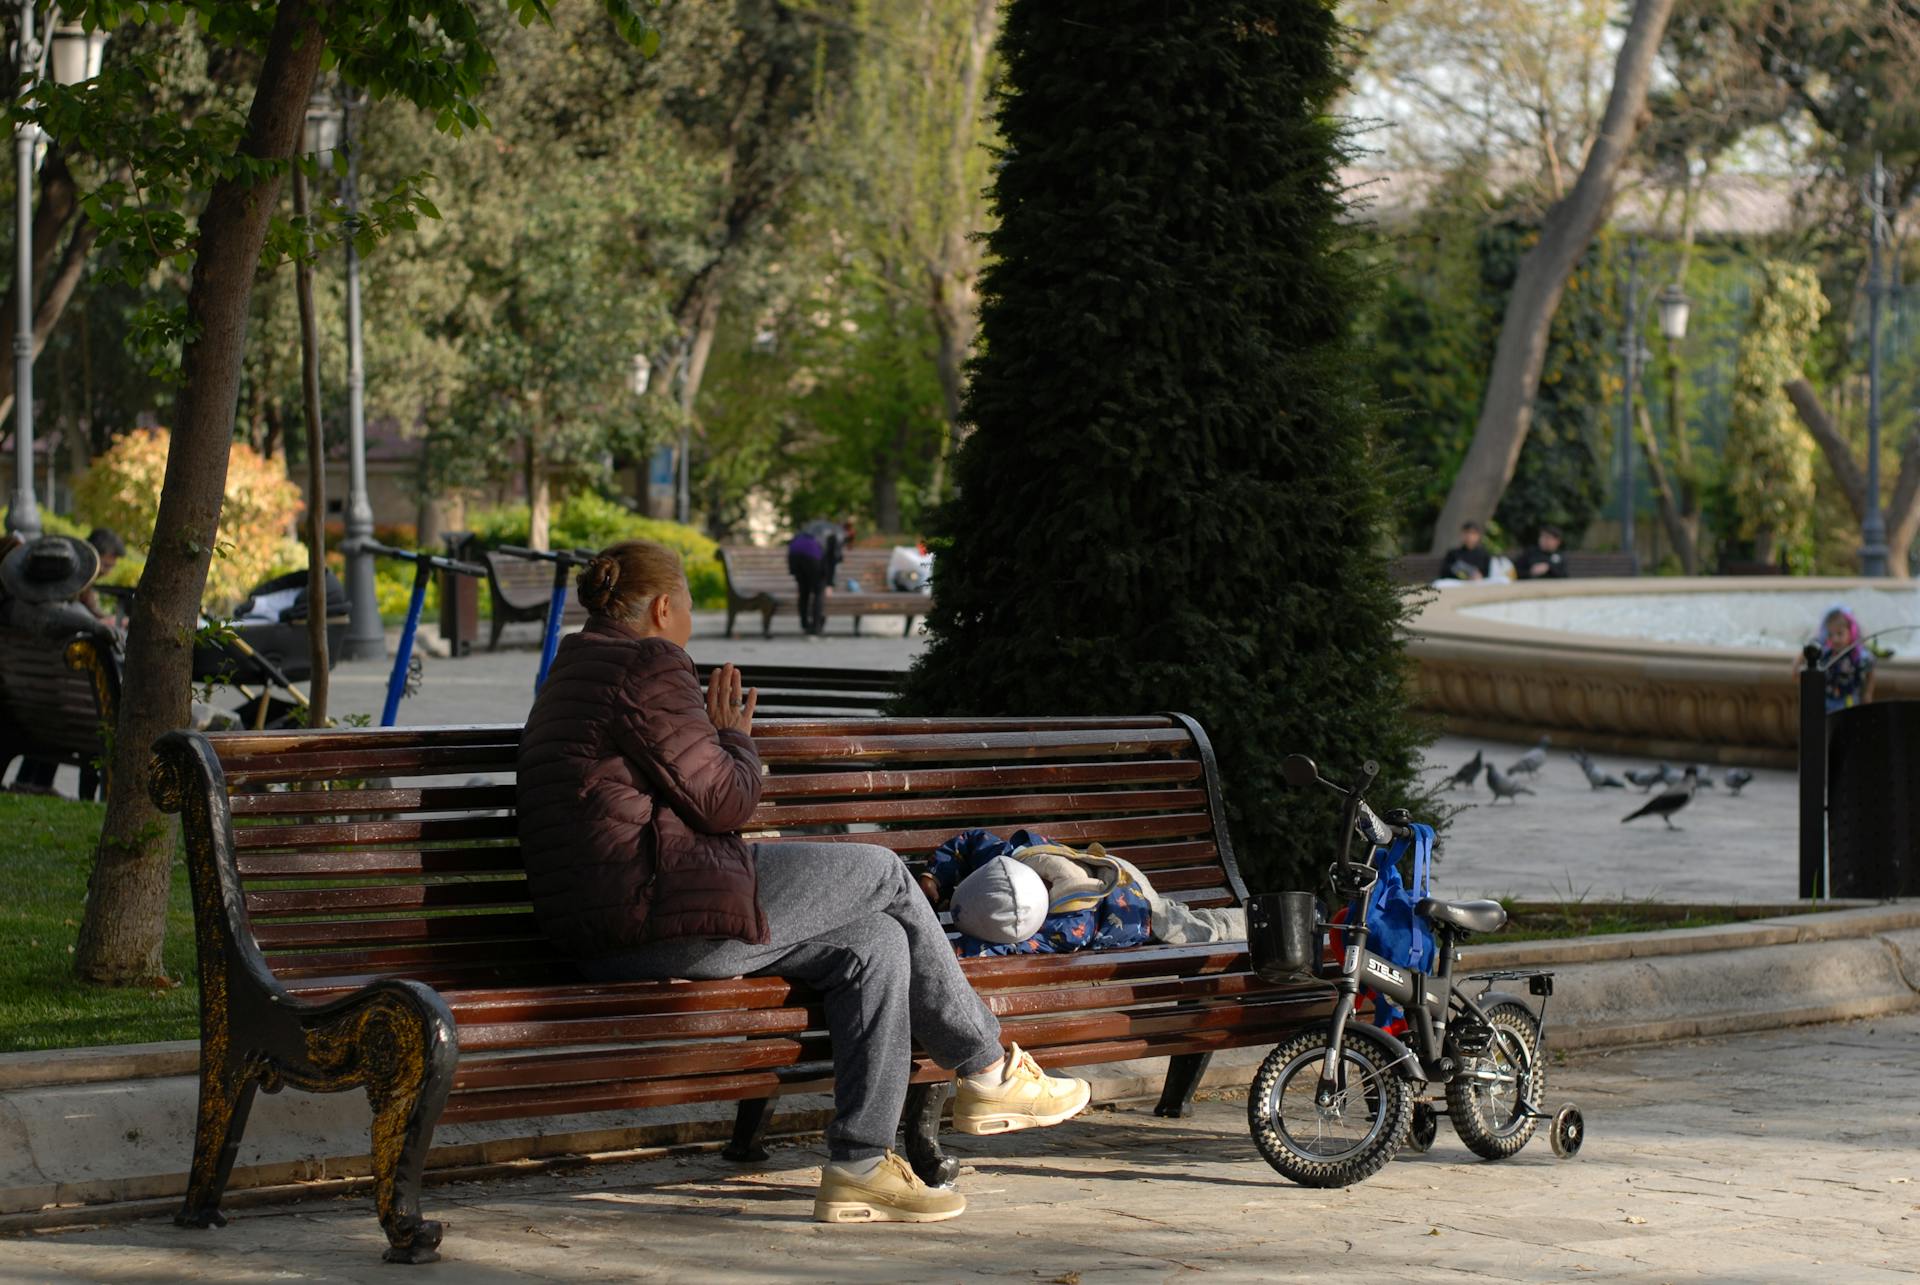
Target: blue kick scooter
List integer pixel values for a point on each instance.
(424, 565)
(563, 560)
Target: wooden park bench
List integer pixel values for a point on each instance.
(58, 697)
(812, 692)
(520, 590)
(382, 937)
(757, 580)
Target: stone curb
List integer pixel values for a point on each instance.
(92, 1147)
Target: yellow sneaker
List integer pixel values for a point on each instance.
(1026, 1098)
(892, 1193)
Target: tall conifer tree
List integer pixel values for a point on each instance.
(1168, 500)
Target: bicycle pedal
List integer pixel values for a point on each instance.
(1473, 1041)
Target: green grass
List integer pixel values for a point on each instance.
(43, 885)
(1601, 920)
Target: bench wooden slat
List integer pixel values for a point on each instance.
(980, 807)
(436, 798)
(492, 859)
(413, 930)
(375, 833)
(386, 897)
(963, 746)
(1105, 831)
(806, 785)
(371, 763)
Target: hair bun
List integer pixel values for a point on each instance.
(597, 582)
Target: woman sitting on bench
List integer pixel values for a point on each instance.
(633, 786)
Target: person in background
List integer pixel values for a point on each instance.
(1844, 659)
(813, 555)
(1469, 560)
(111, 548)
(39, 584)
(1543, 559)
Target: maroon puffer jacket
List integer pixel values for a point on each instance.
(630, 800)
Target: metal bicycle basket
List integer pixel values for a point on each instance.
(1283, 936)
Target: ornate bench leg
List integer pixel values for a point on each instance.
(750, 1121)
(921, 1119)
(1184, 1071)
(909, 633)
(766, 622)
(225, 1099)
(733, 613)
(399, 1042)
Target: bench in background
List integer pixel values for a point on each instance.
(802, 690)
(521, 590)
(757, 580)
(57, 698)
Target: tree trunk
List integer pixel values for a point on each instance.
(125, 919)
(539, 494)
(1507, 412)
(1902, 511)
(1684, 534)
(316, 465)
(952, 272)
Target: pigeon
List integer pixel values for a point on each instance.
(1668, 803)
(1648, 777)
(1533, 760)
(1502, 786)
(1705, 776)
(1737, 778)
(1468, 774)
(1595, 777)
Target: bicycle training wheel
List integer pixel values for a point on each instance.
(1349, 1139)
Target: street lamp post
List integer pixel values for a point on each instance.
(1630, 352)
(366, 636)
(76, 57)
(1674, 308)
(1873, 527)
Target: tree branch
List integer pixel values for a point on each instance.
(1840, 458)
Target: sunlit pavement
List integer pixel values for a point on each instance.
(1785, 1156)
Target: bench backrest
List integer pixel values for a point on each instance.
(753, 569)
(790, 690)
(524, 583)
(51, 701)
(422, 877)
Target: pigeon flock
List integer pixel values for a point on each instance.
(1681, 783)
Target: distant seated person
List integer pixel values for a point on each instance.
(39, 582)
(1470, 560)
(1543, 560)
(111, 548)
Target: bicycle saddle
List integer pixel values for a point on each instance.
(1472, 916)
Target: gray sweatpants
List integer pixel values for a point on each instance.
(848, 920)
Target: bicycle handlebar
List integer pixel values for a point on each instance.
(433, 560)
(566, 557)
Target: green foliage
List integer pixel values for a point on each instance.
(1431, 338)
(591, 521)
(1169, 500)
(1769, 461)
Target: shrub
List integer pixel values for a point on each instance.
(591, 521)
(1168, 500)
(122, 491)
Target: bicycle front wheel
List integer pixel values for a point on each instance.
(1347, 1139)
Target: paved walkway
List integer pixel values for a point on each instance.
(1786, 1156)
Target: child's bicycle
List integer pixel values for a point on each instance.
(1334, 1104)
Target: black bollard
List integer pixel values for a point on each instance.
(1813, 776)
